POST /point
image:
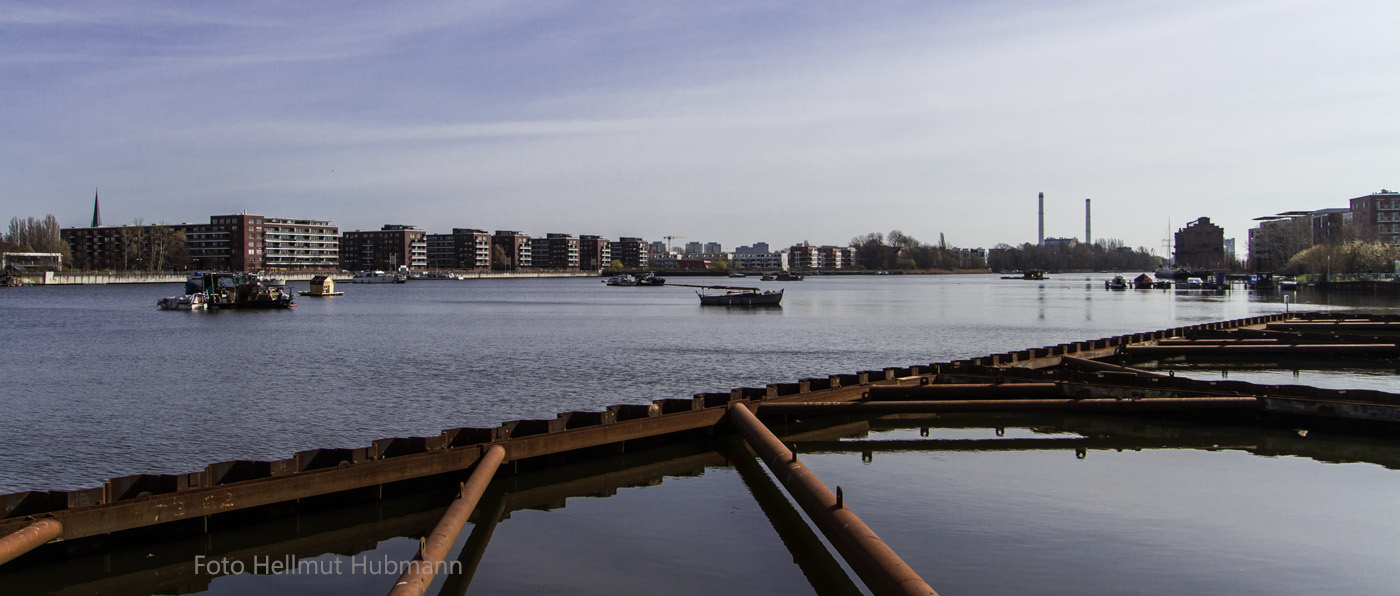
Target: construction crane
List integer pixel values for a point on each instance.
(669, 239)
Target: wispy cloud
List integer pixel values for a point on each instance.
(745, 121)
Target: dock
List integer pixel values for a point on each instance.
(1106, 375)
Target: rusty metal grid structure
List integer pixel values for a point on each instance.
(1086, 376)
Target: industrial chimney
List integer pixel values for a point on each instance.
(1040, 238)
(1088, 239)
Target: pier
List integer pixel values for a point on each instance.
(1109, 375)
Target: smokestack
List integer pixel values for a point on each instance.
(1088, 239)
(1040, 238)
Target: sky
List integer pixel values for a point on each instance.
(730, 122)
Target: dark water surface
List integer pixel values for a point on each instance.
(99, 384)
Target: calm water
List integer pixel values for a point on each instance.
(102, 384)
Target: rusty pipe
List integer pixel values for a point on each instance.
(1009, 405)
(1095, 365)
(1297, 350)
(964, 391)
(875, 562)
(420, 573)
(29, 538)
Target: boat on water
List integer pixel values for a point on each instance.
(1029, 274)
(322, 286)
(1117, 283)
(789, 276)
(630, 280)
(378, 277)
(185, 302)
(736, 296)
(208, 290)
(768, 277)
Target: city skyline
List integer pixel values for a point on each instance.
(737, 123)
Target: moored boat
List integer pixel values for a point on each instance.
(622, 280)
(736, 296)
(185, 302)
(230, 290)
(378, 277)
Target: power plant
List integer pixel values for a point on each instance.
(1088, 238)
(1040, 238)
(1088, 222)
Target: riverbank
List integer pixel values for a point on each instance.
(50, 278)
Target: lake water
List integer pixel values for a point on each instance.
(101, 384)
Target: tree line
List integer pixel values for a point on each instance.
(33, 234)
(899, 251)
(1105, 255)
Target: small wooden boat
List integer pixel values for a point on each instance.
(736, 296)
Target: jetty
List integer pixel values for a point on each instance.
(1111, 375)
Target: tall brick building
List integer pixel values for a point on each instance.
(1201, 245)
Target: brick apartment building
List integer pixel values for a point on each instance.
(518, 248)
(1377, 217)
(632, 252)
(463, 249)
(594, 253)
(556, 251)
(239, 242)
(387, 249)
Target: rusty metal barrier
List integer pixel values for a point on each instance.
(420, 573)
(144, 500)
(29, 538)
(873, 408)
(875, 562)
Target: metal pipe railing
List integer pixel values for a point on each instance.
(875, 562)
(433, 552)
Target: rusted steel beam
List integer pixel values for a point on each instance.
(962, 391)
(29, 538)
(817, 564)
(431, 555)
(1083, 364)
(489, 513)
(1269, 350)
(1046, 444)
(195, 503)
(1347, 325)
(1227, 341)
(1010, 405)
(875, 562)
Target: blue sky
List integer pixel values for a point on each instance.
(728, 122)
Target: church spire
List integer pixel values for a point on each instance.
(96, 212)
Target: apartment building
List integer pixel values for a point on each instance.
(464, 248)
(518, 248)
(594, 253)
(1377, 217)
(388, 248)
(632, 252)
(557, 251)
